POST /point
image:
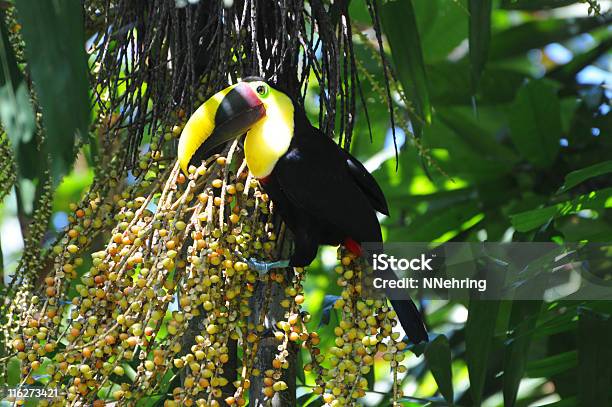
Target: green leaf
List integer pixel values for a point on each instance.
(594, 356)
(534, 4)
(575, 229)
(438, 357)
(478, 338)
(16, 114)
(13, 372)
(55, 49)
(448, 84)
(535, 34)
(15, 110)
(576, 177)
(437, 200)
(478, 139)
(371, 378)
(438, 225)
(566, 402)
(523, 319)
(535, 122)
(529, 220)
(567, 72)
(480, 37)
(480, 329)
(305, 398)
(317, 401)
(299, 369)
(150, 401)
(454, 149)
(442, 26)
(400, 27)
(552, 365)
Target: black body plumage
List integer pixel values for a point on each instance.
(325, 196)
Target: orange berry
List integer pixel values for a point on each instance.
(18, 345)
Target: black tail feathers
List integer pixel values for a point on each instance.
(411, 320)
(409, 316)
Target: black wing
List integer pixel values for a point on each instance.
(367, 183)
(314, 176)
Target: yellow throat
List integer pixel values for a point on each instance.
(270, 137)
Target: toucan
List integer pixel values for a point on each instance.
(324, 195)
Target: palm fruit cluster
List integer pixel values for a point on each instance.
(170, 292)
(7, 166)
(167, 293)
(176, 253)
(365, 333)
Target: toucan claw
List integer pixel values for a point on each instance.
(264, 267)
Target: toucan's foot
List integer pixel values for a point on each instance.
(263, 267)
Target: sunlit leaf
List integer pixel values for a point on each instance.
(577, 177)
(529, 220)
(535, 4)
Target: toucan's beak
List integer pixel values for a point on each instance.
(225, 116)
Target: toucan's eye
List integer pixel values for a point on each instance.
(261, 89)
